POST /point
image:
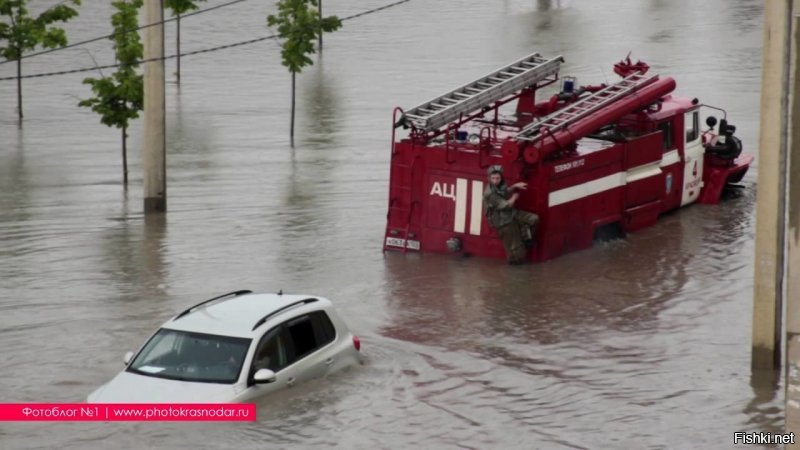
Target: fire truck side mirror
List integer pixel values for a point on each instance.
(711, 121)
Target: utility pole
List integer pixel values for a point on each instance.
(770, 199)
(320, 32)
(792, 395)
(155, 145)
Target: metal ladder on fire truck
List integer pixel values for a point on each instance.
(471, 97)
(574, 112)
(484, 91)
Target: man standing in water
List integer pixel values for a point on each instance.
(515, 227)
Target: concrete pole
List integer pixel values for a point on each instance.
(770, 208)
(155, 145)
(792, 410)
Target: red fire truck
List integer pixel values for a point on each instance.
(596, 158)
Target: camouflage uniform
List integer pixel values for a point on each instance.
(514, 227)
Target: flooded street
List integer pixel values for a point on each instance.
(641, 343)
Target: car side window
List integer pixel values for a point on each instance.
(301, 331)
(309, 333)
(289, 342)
(324, 327)
(273, 352)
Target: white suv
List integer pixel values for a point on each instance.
(235, 348)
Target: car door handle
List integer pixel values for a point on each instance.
(329, 361)
(290, 381)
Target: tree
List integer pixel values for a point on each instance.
(179, 7)
(23, 33)
(120, 97)
(299, 25)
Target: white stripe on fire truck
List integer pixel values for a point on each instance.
(609, 182)
(461, 205)
(670, 158)
(476, 213)
(572, 193)
(643, 171)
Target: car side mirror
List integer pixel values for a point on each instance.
(127, 358)
(264, 376)
(711, 121)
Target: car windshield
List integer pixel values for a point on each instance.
(186, 356)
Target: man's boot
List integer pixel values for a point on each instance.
(527, 237)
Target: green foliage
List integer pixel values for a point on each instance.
(181, 6)
(299, 25)
(22, 33)
(119, 98)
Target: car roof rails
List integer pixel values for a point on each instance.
(280, 310)
(229, 294)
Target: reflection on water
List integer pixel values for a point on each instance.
(763, 410)
(323, 105)
(636, 343)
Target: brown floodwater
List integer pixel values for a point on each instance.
(635, 343)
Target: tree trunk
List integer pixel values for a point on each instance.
(320, 30)
(291, 131)
(125, 156)
(19, 86)
(178, 45)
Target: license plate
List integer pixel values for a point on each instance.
(397, 242)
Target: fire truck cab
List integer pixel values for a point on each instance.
(596, 158)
